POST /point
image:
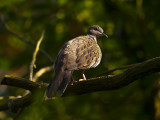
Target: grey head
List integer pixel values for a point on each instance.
(96, 31)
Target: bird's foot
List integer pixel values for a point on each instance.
(72, 82)
(83, 76)
(82, 80)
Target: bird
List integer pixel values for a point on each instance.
(80, 53)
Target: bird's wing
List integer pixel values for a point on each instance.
(88, 54)
(79, 53)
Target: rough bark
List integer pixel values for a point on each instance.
(90, 85)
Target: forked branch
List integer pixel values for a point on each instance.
(103, 83)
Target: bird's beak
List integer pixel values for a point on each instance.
(105, 35)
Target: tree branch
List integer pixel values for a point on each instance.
(113, 70)
(32, 65)
(42, 71)
(22, 83)
(117, 81)
(91, 85)
(24, 39)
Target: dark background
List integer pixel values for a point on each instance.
(133, 27)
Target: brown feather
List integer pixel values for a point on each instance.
(80, 53)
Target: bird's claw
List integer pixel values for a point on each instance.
(73, 82)
(82, 80)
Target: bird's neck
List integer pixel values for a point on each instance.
(92, 37)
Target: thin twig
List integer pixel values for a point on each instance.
(25, 40)
(32, 65)
(41, 72)
(113, 70)
(9, 97)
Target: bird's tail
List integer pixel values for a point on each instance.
(59, 83)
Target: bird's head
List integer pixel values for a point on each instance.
(96, 31)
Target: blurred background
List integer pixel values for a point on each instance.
(133, 27)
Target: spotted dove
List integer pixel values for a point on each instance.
(80, 53)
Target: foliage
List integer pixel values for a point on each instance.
(133, 28)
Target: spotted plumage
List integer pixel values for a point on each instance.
(80, 53)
